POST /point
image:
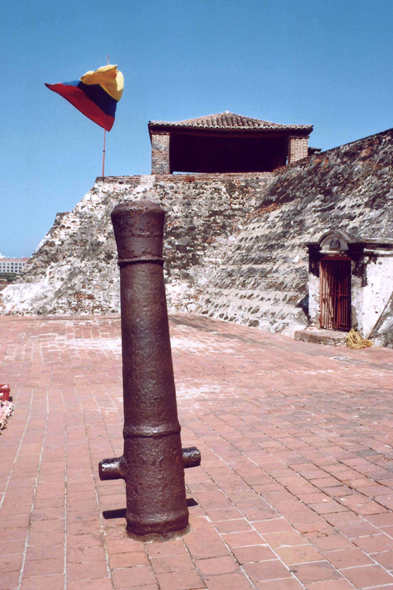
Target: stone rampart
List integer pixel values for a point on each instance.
(235, 244)
(74, 269)
(263, 280)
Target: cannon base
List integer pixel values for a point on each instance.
(158, 537)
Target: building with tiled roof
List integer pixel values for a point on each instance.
(225, 142)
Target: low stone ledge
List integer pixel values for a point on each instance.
(320, 336)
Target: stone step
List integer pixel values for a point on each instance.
(321, 336)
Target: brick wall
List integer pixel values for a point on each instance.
(298, 148)
(160, 153)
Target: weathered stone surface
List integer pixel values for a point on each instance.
(327, 337)
(235, 244)
(263, 280)
(74, 270)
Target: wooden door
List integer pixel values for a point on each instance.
(335, 294)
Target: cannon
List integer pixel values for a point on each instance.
(153, 460)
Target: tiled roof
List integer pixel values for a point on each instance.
(227, 120)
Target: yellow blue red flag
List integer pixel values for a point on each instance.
(95, 94)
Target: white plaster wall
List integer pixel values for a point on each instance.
(357, 301)
(314, 298)
(377, 291)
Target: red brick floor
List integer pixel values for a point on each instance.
(296, 484)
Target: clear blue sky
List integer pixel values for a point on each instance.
(323, 62)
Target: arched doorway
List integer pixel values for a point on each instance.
(350, 285)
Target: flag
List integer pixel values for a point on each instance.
(95, 94)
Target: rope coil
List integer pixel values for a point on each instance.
(356, 341)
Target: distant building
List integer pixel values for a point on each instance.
(12, 265)
(225, 143)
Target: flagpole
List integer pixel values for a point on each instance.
(103, 156)
(103, 151)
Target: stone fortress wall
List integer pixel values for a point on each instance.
(235, 244)
(74, 269)
(263, 281)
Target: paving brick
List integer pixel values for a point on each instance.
(385, 559)
(85, 540)
(342, 519)
(274, 525)
(217, 565)
(96, 584)
(220, 514)
(45, 552)
(297, 480)
(328, 507)
(298, 554)
(228, 582)
(9, 580)
(282, 584)
(47, 538)
(127, 545)
(43, 567)
(119, 560)
(368, 576)
(10, 563)
(180, 580)
(242, 539)
(14, 534)
(233, 526)
(12, 547)
(17, 521)
(381, 520)
(88, 570)
(374, 544)
(55, 582)
(347, 558)
(253, 553)
(82, 554)
(315, 529)
(172, 563)
(204, 550)
(286, 538)
(357, 529)
(318, 571)
(266, 570)
(331, 585)
(130, 577)
(47, 526)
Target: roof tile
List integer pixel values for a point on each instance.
(226, 120)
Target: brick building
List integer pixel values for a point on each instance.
(225, 143)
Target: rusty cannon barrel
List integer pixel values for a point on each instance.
(153, 461)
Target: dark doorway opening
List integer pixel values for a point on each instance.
(336, 294)
(214, 153)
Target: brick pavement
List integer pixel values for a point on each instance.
(295, 489)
